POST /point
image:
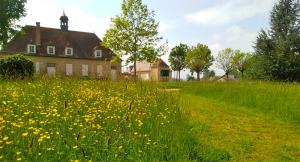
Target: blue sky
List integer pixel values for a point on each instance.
(216, 23)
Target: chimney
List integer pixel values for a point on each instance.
(38, 34)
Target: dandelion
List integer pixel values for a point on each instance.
(75, 147)
(18, 152)
(25, 134)
(19, 159)
(40, 139)
(5, 138)
(9, 142)
(140, 123)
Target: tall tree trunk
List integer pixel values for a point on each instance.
(135, 77)
(198, 75)
(179, 75)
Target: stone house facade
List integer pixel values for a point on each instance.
(155, 71)
(63, 52)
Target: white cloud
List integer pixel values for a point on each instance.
(234, 37)
(238, 38)
(164, 26)
(230, 11)
(48, 13)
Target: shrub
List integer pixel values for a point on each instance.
(16, 67)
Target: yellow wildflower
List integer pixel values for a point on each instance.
(25, 134)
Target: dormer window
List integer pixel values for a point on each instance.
(51, 50)
(31, 49)
(98, 53)
(69, 51)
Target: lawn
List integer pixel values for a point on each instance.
(90, 120)
(252, 121)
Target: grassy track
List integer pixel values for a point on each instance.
(251, 121)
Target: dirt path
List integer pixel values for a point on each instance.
(246, 135)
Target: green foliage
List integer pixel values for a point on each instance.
(225, 60)
(279, 46)
(255, 70)
(15, 67)
(134, 33)
(198, 59)
(242, 61)
(10, 12)
(177, 58)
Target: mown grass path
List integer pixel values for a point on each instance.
(247, 135)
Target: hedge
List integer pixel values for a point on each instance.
(16, 67)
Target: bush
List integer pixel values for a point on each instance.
(16, 67)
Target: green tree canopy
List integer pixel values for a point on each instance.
(177, 58)
(134, 33)
(10, 12)
(279, 47)
(225, 60)
(242, 62)
(198, 59)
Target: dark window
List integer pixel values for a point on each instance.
(164, 73)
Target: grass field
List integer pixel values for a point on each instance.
(251, 121)
(89, 120)
(86, 120)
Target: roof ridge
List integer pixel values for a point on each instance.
(60, 29)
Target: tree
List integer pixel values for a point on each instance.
(280, 46)
(10, 12)
(241, 62)
(134, 33)
(207, 74)
(199, 58)
(177, 58)
(225, 60)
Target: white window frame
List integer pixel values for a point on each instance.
(29, 49)
(70, 72)
(66, 51)
(48, 50)
(96, 53)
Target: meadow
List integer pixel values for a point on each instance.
(89, 120)
(249, 120)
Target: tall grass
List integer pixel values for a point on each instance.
(276, 100)
(69, 120)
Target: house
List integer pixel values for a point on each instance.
(155, 71)
(63, 52)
